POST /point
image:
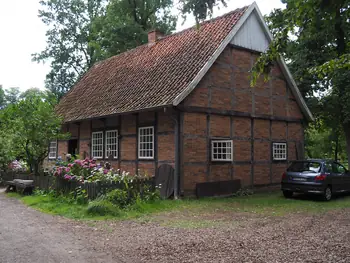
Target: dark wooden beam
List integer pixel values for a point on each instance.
(205, 110)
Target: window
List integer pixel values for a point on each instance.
(111, 144)
(53, 150)
(221, 150)
(279, 151)
(305, 167)
(338, 169)
(146, 143)
(97, 145)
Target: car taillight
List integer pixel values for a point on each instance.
(321, 177)
(284, 176)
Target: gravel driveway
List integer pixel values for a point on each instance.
(27, 235)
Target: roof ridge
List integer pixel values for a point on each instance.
(237, 10)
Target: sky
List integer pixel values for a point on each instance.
(22, 33)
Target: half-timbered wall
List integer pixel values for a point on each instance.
(127, 126)
(225, 106)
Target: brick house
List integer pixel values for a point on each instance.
(185, 100)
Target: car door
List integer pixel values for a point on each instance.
(346, 179)
(337, 177)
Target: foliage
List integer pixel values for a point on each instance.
(102, 207)
(81, 32)
(68, 36)
(313, 36)
(2, 98)
(21, 122)
(127, 23)
(197, 210)
(200, 9)
(7, 151)
(12, 95)
(119, 197)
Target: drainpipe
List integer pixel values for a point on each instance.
(177, 156)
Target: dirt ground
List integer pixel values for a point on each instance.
(27, 235)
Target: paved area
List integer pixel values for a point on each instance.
(27, 235)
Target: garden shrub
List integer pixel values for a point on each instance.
(120, 197)
(102, 207)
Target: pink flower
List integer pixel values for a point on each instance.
(70, 165)
(67, 169)
(67, 177)
(92, 165)
(105, 171)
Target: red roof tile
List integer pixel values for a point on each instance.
(148, 76)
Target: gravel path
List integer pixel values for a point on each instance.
(27, 235)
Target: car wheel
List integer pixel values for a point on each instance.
(327, 194)
(287, 194)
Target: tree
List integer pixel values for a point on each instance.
(32, 123)
(200, 9)
(127, 22)
(68, 37)
(321, 33)
(12, 95)
(2, 98)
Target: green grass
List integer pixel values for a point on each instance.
(192, 213)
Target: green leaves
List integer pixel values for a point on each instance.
(27, 128)
(200, 9)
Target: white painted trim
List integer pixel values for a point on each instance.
(117, 144)
(222, 46)
(138, 143)
(92, 145)
(212, 151)
(56, 142)
(284, 154)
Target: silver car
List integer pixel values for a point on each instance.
(321, 177)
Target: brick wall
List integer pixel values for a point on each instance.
(223, 105)
(127, 128)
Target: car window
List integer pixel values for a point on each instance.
(328, 167)
(338, 168)
(341, 169)
(303, 167)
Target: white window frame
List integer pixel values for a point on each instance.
(230, 153)
(53, 154)
(151, 142)
(93, 144)
(115, 155)
(279, 151)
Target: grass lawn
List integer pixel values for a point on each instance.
(193, 212)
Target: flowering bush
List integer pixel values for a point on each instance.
(89, 170)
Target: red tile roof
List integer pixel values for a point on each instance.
(148, 76)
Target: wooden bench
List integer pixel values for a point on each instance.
(20, 186)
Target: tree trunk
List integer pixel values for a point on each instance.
(336, 147)
(347, 138)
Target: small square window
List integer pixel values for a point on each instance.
(53, 150)
(146, 142)
(221, 150)
(279, 151)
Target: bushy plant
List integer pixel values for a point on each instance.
(119, 197)
(102, 207)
